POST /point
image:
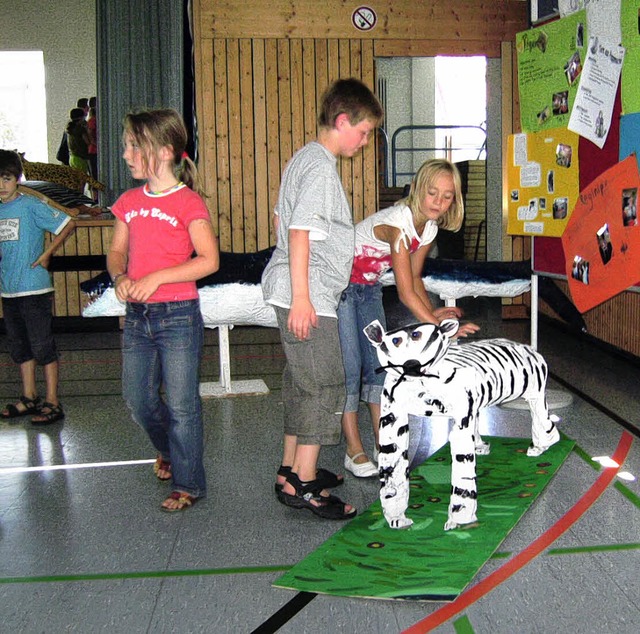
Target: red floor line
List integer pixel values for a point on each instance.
(512, 566)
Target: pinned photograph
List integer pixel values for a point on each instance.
(579, 35)
(573, 68)
(629, 209)
(544, 114)
(515, 195)
(604, 243)
(550, 182)
(543, 204)
(563, 155)
(560, 208)
(560, 102)
(580, 269)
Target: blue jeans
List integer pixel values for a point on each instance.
(162, 347)
(359, 305)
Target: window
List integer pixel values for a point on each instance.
(23, 110)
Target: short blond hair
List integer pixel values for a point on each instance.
(425, 178)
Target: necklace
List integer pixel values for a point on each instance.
(168, 190)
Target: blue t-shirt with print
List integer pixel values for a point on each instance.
(23, 223)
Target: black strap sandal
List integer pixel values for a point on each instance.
(49, 413)
(329, 479)
(32, 406)
(308, 496)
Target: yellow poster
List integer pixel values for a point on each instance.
(542, 181)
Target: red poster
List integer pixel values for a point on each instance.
(601, 242)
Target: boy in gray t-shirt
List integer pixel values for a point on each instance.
(308, 271)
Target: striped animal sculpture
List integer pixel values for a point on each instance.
(427, 376)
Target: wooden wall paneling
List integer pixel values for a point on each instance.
(284, 102)
(262, 207)
(235, 146)
(222, 144)
(369, 155)
(297, 94)
(344, 70)
(206, 105)
(73, 292)
(273, 125)
(311, 97)
(247, 196)
(432, 48)
(357, 177)
(322, 68)
(60, 295)
(458, 20)
(82, 240)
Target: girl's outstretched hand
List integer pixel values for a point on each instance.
(467, 329)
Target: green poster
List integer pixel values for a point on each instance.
(630, 27)
(550, 60)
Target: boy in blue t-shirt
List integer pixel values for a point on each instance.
(27, 291)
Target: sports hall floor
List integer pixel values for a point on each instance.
(85, 548)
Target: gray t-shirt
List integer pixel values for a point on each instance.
(312, 198)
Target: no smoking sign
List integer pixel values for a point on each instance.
(364, 18)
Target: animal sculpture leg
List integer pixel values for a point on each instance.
(464, 492)
(544, 433)
(393, 461)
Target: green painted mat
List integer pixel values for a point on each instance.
(368, 559)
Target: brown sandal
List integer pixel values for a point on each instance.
(183, 499)
(162, 465)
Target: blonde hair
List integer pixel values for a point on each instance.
(423, 180)
(154, 129)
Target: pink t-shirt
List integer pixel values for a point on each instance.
(159, 235)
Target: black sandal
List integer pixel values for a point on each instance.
(32, 406)
(329, 507)
(54, 414)
(328, 479)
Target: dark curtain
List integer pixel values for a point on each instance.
(141, 57)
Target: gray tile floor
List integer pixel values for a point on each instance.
(84, 547)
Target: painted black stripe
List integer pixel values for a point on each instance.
(285, 613)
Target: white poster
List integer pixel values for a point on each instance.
(603, 17)
(593, 104)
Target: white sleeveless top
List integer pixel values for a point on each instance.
(372, 256)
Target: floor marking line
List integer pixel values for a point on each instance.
(285, 613)
(150, 574)
(82, 465)
(512, 566)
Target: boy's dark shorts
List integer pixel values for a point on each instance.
(28, 321)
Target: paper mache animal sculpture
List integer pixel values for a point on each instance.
(427, 376)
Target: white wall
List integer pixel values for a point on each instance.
(65, 30)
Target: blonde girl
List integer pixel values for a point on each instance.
(400, 238)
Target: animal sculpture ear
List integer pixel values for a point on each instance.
(374, 332)
(449, 327)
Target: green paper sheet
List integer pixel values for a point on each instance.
(368, 559)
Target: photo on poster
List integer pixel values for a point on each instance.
(563, 155)
(629, 207)
(560, 208)
(544, 114)
(533, 208)
(550, 182)
(573, 68)
(604, 243)
(515, 195)
(580, 269)
(560, 102)
(543, 204)
(580, 35)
